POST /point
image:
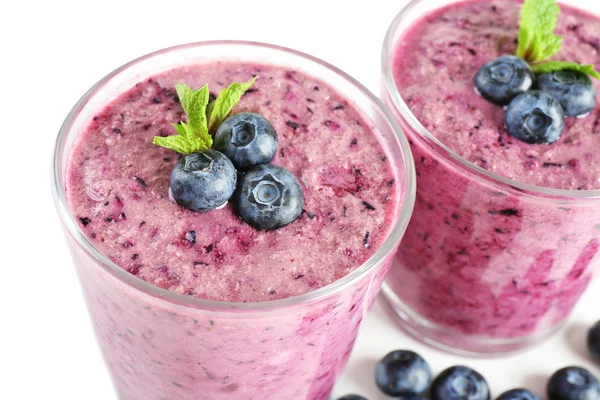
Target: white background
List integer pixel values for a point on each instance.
(51, 53)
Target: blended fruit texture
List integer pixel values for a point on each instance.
(117, 188)
(481, 258)
(434, 68)
(119, 181)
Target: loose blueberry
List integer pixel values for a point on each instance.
(203, 181)
(500, 80)
(573, 383)
(535, 117)
(460, 383)
(268, 197)
(247, 139)
(403, 373)
(352, 397)
(518, 394)
(573, 90)
(593, 341)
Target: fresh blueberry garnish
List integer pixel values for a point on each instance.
(500, 80)
(403, 373)
(460, 383)
(268, 197)
(352, 397)
(593, 341)
(573, 383)
(518, 394)
(573, 90)
(247, 139)
(203, 181)
(535, 117)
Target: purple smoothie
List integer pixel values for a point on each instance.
(486, 262)
(117, 189)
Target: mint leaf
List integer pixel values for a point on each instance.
(180, 144)
(220, 108)
(537, 41)
(194, 104)
(192, 136)
(553, 66)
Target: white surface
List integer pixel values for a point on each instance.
(52, 52)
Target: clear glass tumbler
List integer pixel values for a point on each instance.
(161, 345)
(468, 277)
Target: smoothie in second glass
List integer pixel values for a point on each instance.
(228, 341)
(505, 233)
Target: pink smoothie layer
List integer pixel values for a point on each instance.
(479, 258)
(118, 190)
(434, 68)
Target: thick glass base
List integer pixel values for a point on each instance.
(453, 341)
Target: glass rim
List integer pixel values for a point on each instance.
(74, 230)
(389, 46)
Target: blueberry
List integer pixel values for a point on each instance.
(203, 181)
(352, 397)
(573, 383)
(593, 341)
(535, 117)
(268, 197)
(519, 394)
(403, 373)
(460, 383)
(247, 139)
(500, 80)
(573, 90)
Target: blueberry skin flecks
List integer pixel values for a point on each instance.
(352, 397)
(535, 117)
(573, 90)
(203, 181)
(248, 139)
(593, 341)
(518, 394)
(460, 383)
(403, 373)
(268, 197)
(500, 80)
(573, 383)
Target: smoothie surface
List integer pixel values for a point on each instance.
(434, 65)
(118, 184)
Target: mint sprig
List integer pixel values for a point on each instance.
(554, 66)
(537, 41)
(202, 117)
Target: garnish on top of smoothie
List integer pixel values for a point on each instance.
(268, 197)
(560, 88)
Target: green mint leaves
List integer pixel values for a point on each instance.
(219, 109)
(202, 117)
(537, 41)
(553, 66)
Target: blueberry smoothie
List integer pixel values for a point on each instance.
(120, 192)
(492, 260)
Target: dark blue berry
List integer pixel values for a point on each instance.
(268, 197)
(573, 90)
(247, 139)
(352, 397)
(535, 117)
(203, 181)
(402, 373)
(518, 394)
(460, 383)
(500, 80)
(573, 383)
(593, 341)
